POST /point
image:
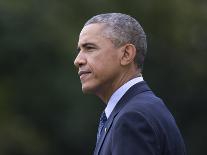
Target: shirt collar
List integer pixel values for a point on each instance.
(117, 95)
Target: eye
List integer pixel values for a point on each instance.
(78, 50)
(90, 48)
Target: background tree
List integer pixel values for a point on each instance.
(42, 108)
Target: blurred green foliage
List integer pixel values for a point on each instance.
(42, 108)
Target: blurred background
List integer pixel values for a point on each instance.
(42, 108)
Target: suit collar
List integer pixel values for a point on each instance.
(117, 95)
(134, 90)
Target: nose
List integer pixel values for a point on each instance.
(80, 60)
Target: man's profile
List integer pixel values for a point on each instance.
(111, 52)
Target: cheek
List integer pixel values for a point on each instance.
(105, 69)
(104, 62)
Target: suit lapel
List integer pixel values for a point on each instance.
(134, 90)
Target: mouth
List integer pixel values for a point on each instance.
(83, 74)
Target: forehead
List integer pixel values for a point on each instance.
(92, 33)
(92, 29)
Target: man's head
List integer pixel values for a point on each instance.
(122, 29)
(107, 53)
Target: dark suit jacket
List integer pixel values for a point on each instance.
(140, 124)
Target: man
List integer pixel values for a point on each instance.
(111, 52)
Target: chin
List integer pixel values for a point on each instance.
(87, 89)
(90, 87)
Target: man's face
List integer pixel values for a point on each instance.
(98, 60)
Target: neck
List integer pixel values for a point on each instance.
(106, 91)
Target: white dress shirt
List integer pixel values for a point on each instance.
(116, 96)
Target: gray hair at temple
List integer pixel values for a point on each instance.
(123, 29)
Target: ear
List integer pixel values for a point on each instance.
(128, 54)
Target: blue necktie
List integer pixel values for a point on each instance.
(102, 122)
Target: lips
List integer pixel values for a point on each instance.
(83, 74)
